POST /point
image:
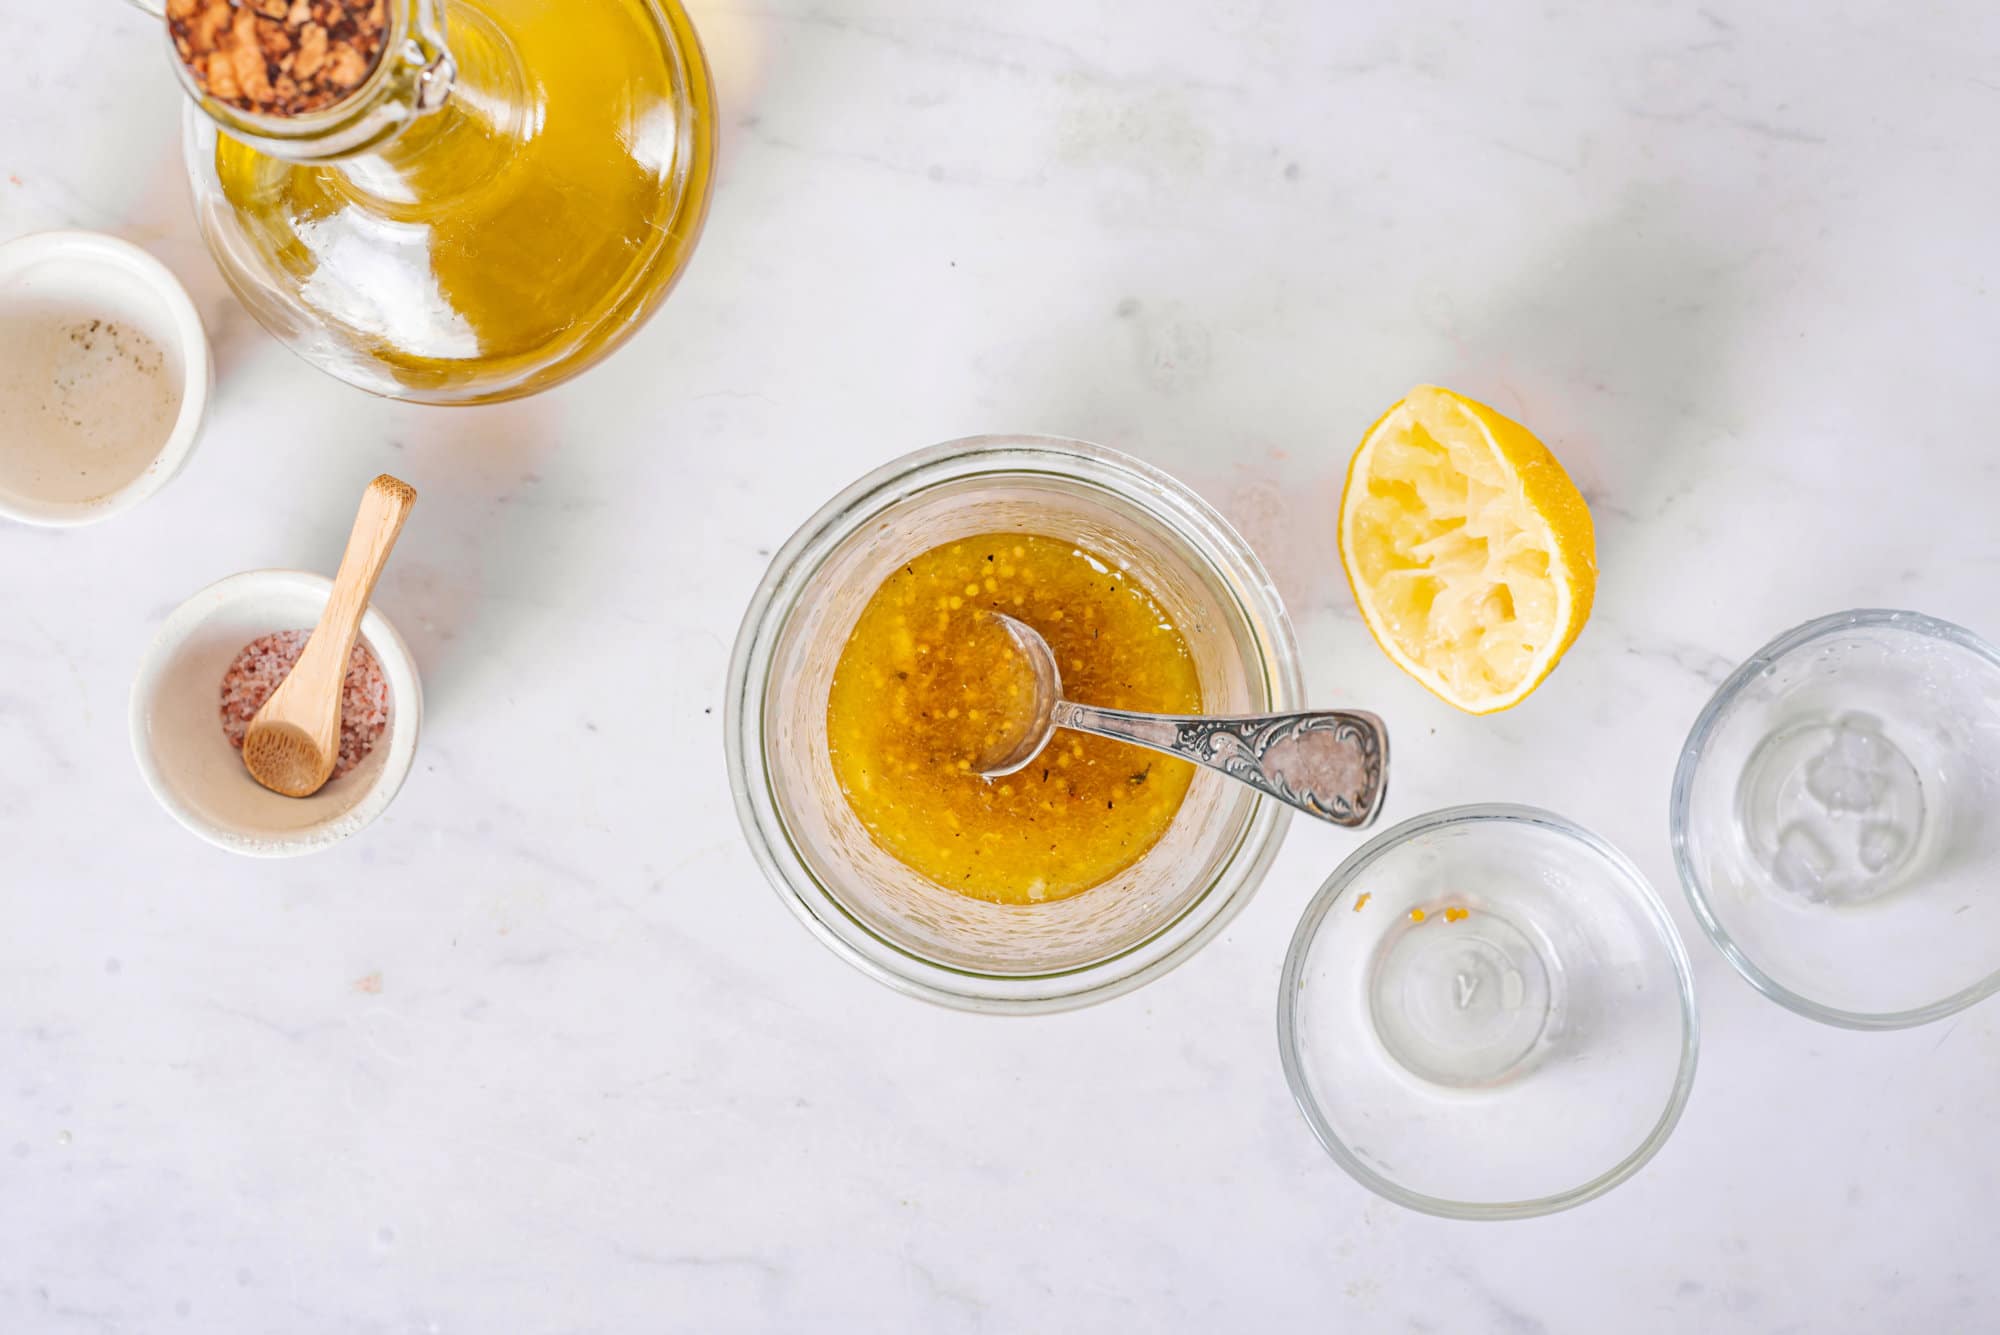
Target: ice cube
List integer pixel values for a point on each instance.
(1854, 772)
(1839, 785)
(1802, 862)
(1882, 845)
(1858, 740)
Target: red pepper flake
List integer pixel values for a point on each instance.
(267, 661)
(279, 57)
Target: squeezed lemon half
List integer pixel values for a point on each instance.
(1470, 552)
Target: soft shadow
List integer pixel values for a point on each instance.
(1608, 349)
(738, 44)
(465, 585)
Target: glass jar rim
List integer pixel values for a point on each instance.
(1681, 802)
(1209, 538)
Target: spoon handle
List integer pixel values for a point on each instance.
(1333, 764)
(323, 664)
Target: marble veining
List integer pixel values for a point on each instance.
(541, 1053)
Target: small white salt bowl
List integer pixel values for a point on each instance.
(83, 438)
(190, 765)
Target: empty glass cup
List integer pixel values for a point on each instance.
(1486, 1013)
(1836, 819)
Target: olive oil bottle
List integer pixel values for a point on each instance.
(504, 200)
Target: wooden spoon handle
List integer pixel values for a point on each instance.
(323, 665)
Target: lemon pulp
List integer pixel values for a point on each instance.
(1470, 552)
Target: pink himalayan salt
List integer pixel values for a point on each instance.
(268, 660)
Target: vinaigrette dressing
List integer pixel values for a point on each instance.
(922, 684)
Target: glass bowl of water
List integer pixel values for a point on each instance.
(1836, 819)
(1486, 1013)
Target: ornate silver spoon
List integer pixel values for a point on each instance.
(1333, 764)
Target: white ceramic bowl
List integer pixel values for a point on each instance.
(48, 282)
(194, 771)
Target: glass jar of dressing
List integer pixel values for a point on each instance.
(889, 920)
(502, 201)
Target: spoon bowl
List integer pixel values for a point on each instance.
(1030, 725)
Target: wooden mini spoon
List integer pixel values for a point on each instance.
(294, 740)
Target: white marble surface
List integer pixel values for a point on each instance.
(541, 1053)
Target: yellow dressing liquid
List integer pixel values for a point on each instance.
(922, 685)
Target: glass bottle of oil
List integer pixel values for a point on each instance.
(505, 199)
